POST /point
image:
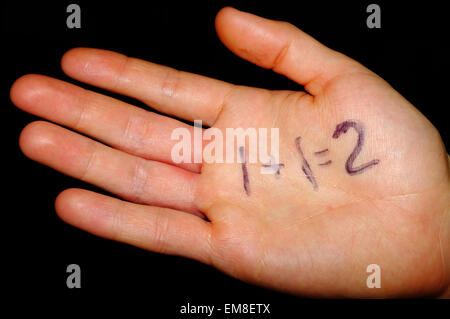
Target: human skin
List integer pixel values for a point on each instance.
(285, 234)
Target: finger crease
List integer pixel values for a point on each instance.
(135, 132)
(169, 86)
(82, 114)
(139, 181)
(221, 105)
(160, 230)
(120, 73)
(89, 163)
(281, 55)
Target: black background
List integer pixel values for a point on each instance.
(410, 51)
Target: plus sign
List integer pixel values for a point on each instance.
(272, 168)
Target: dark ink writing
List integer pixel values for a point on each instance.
(359, 128)
(305, 166)
(274, 168)
(244, 170)
(326, 163)
(322, 152)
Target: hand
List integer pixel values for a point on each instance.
(311, 230)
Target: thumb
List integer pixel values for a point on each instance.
(283, 48)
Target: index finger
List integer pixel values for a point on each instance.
(182, 94)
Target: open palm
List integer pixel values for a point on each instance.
(311, 228)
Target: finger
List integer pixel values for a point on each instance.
(128, 176)
(185, 95)
(121, 125)
(282, 47)
(156, 229)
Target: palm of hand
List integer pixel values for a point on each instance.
(286, 234)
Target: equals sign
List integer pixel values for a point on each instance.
(322, 153)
